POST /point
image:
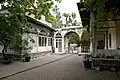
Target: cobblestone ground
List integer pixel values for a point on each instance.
(70, 68)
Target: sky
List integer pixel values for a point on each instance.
(69, 6)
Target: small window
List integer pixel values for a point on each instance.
(49, 41)
(56, 39)
(56, 44)
(110, 40)
(40, 41)
(45, 41)
(60, 39)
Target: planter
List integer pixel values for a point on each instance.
(27, 59)
(87, 64)
(7, 59)
(110, 57)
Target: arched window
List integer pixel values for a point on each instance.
(43, 33)
(58, 35)
(59, 42)
(42, 38)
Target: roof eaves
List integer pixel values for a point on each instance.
(39, 23)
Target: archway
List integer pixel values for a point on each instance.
(71, 41)
(58, 43)
(63, 32)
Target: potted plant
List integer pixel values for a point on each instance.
(25, 51)
(27, 57)
(116, 56)
(87, 62)
(7, 59)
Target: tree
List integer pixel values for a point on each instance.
(13, 20)
(57, 22)
(70, 19)
(85, 39)
(74, 38)
(66, 15)
(101, 8)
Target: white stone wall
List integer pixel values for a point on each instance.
(44, 48)
(35, 46)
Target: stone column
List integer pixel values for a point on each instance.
(37, 42)
(94, 47)
(93, 29)
(54, 42)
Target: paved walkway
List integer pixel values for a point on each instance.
(70, 68)
(18, 67)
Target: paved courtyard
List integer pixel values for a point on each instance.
(69, 68)
(18, 67)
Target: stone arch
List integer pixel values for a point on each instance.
(66, 46)
(72, 31)
(63, 32)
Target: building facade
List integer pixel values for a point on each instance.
(61, 40)
(104, 39)
(40, 37)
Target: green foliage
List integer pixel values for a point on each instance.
(70, 19)
(74, 38)
(85, 38)
(95, 6)
(100, 8)
(13, 20)
(57, 21)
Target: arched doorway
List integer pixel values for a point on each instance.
(71, 41)
(58, 45)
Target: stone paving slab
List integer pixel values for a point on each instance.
(19, 67)
(70, 68)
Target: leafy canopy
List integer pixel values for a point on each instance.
(101, 8)
(70, 19)
(85, 38)
(13, 20)
(95, 6)
(74, 38)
